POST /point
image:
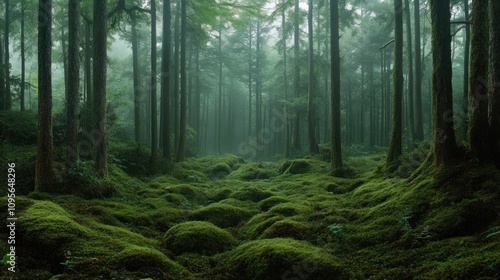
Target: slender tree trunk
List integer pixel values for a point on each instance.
(250, 80)
(8, 94)
(88, 73)
(176, 75)
(165, 82)
(336, 149)
(182, 132)
(154, 110)
(362, 110)
(465, 96)
(395, 146)
(419, 122)
(411, 113)
(285, 83)
(296, 120)
(198, 100)
(44, 165)
(494, 102)
(73, 89)
(99, 105)
(258, 93)
(2, 81)
(221, 107)
(137, 82)
(444, 144)
(65, 63)
(23, 58)
(478, 85)
(313, 145)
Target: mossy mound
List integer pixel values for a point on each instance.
(267, 203)
(146, 262)
(221, 215)
(197, 237)
(282, 258)
(252, 171)
(297, 166)
(191, 193)
(288, 209)
(288, 228)
(220, 170)
(258, 224)
(221, 194)
(251, 193)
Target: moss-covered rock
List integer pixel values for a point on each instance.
(251, 193)
(197, 237)
(147, 262)
(221, 215)
(288, 228)
(267, 203)
(282, 258)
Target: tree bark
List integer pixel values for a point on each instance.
(411, 113)
(72, 103)
(137, 82)
(313, 145)
(465, 96)
(296, 121)
(182, 129)
(154, 118)
(44, 165)
(494, 94)
(285, 83)
(444, 144)
(23, 58)
(419, 122)
(8, 94)
(165, 82)
(99, 105)
(175, 73)
(336, 149)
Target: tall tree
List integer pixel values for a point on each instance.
(296, 41)
(23, 56)
(465, 96)
(2, 79)
(154, 118)
(183, 115)
(336, 149)
(419, 122)
(444, 143)
(175, 73)
(313, 145)
(395, 145)
(99, 72)
(478, 85)
(44, 176)
(165, 82)
(8, 94)
(137, 82)
(285, 82)
(72, 103)
(411, 113)
(494, 101)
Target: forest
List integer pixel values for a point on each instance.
(250, 139)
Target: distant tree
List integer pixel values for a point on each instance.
(419, 122)
(478, 81)
(8, 94)
(137, 82)
(465, 96)
(44, 176)
(72, 103)
(411, 113)
(2, 78)
(494, 105)
(296, 48)
(313, 145)
(23, 56)
(395, 145)
(183, 113)
(285, 81)
(99, 90)
(154, 118)
(336, 150)
(444, 144)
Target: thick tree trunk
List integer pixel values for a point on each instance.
(478, 85)
(44, 176)
(395, 145)
(99, 105)
(154, 118)
(465, 96)
(182, 129)
(165, 82)
(494, 102)
(444, 144)
(313, 145)
(73, 101)
(336, 149)
(419, 122)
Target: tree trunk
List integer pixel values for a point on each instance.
(165, 82)
(44, 165)
(99, 105)
(176, 76)
(154, 118)
(411, 113)
(478, 85)
(250, 81)
(313, 145)
(182, 131)
(494, 102)
(395, 145)
(73, 101)
(444, 144)
(137, 82)
(258, 92)
(65, 63)
(23, 59)
(221, 108)
(419, 122)
(8, 94)
(88, 74)
(336, 149)
(296, 120)
(285, 83)
(465, 96)
(2, 80)
(198, 100)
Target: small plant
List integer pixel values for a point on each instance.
(494, 231)
(404, 219)
(337, 232)
(423, 237)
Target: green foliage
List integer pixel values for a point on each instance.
(221, 215)
(298, 166)
(132, 158)
(197, 237)
(19, 128)
(251, 193)
(82, 179)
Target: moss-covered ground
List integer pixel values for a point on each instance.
(224, 218)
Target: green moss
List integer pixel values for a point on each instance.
(288, 209)
(221, 215)
(252, 171)
(251, 193)
(258, 224)
(197, 237)
(298, 166)
(280, 258)
(221, 194)
(267, 203)
(148, 263)
(220, 170)
(288, 228)
(191, 193)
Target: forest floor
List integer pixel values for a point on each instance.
(221, 217)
